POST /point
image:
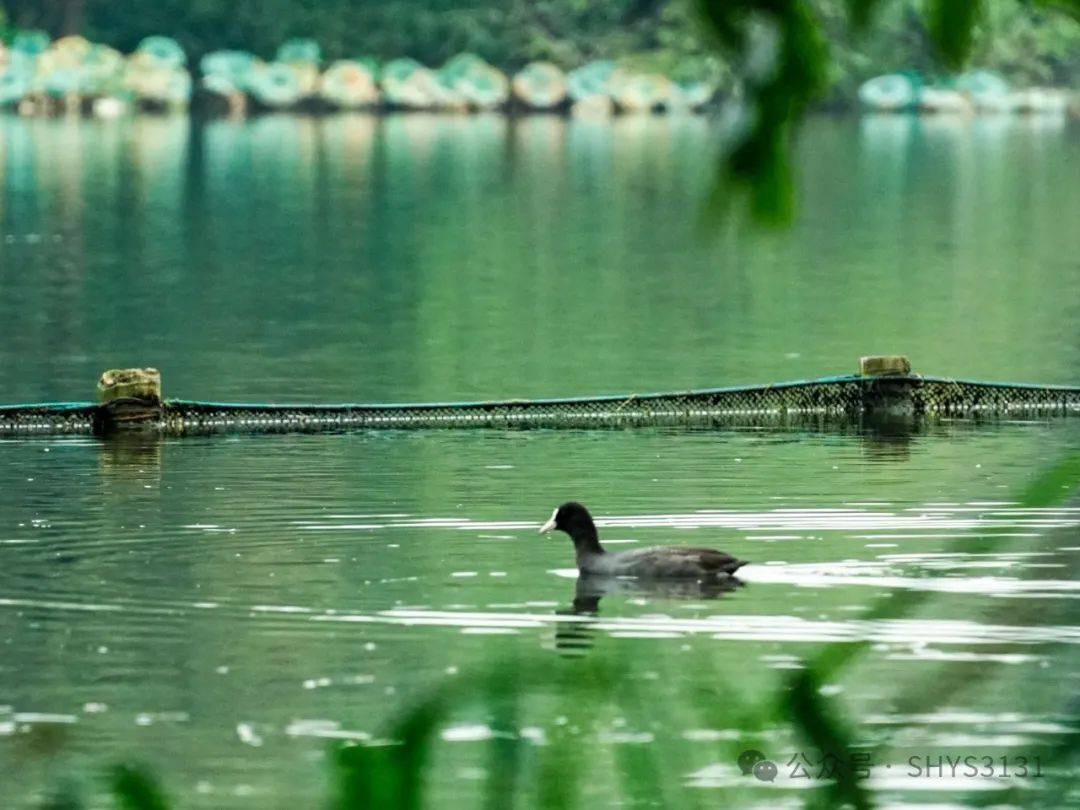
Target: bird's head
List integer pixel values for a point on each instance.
(572, 518)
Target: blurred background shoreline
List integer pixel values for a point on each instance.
(593, 58)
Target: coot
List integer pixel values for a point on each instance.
(658, 562)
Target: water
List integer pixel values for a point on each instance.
(225, 608)
(362, 259)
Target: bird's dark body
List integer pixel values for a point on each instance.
(661, 562)
(657, 562)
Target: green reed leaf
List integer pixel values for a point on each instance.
(135, 788)
(820, 723)
(1054, 485)
(951, 24)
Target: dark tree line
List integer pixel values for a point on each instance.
(507, 33)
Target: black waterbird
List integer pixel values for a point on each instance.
(658, 562)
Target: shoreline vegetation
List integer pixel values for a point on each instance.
(72, 75)
(598, 58)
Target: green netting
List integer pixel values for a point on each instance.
(841, 399)
(48, 418)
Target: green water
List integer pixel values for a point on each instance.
(224, 608)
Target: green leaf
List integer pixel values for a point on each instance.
(759, 163)
(1070, 7)
(1054, 485)
(861, 12)
(822, 727)
(504, 751)
(952, 25)
(136, 789)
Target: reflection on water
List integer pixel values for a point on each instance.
(574, 638)
(589, 590)
(221, 607)
(293, 258)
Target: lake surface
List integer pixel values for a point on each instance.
(224, 609)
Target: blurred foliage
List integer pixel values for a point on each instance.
(1053, 484)
(1027, 43)
(784, 61)
(135, 788)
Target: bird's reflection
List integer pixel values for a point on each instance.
(574, 638)
(589, 590)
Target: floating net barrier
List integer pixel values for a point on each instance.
(841, 399)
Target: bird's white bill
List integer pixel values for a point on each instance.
(547, 527)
